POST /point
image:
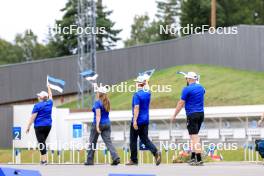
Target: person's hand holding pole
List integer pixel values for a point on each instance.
(49, 91)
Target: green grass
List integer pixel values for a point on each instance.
(224, 86)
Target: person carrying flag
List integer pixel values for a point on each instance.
(41, 117)
(140, 122)
(193, 99)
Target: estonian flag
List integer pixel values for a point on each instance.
(56, 84)
(147, 74)
(89, 75)
(184, 74)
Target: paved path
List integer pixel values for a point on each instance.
(210, 169)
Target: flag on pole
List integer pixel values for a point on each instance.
(55, 83)
(185, 74)
(198, 79)
(147, 74)
(89, 75)
(182, 73)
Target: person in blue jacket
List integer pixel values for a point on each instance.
(101, 126)
(140, 122)
(41, 117)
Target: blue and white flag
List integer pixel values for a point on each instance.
(182, 73)
(147, 74)
(55, 83)
(185, 74)
(89, 75)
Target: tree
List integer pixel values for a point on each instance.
(234, 12)
(32, 49)
(196, 12)
(143, 31)
(10, 53)
(229, 12)
(66, 44)
(242, 12)
(25, 48)
(27, 42)
(259, 12)
(108, 40)
(62, 42)
(167, 14)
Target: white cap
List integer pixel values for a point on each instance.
(141, 79)
(43, 94)
(191, 75)
(101, 89)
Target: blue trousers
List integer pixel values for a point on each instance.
(142, 133)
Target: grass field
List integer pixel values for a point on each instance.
(224, 86)
(33, 156)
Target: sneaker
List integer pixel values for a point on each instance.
(191, 161)
(158, 158)
(131, 163)
(199, 163)
(88, 163)
(116, 162)
(44, 163)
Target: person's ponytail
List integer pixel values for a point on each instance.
(105, 100)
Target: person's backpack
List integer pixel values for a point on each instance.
(260, 147)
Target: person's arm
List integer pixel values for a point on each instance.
(49, 92)
(98, 119)
(136, 112)
(32, 119)
(178, 109)
(181, 103)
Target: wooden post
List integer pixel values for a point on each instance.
(213, 13)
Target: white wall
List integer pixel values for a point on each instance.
(59, 131)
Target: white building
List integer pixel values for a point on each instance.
(229, 123)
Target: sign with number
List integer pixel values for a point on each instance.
(77, 130)
(16, 133)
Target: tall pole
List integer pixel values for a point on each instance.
(213, 13)
(86, 48)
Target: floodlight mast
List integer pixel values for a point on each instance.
(86, 21)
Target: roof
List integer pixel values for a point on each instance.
(165, 114)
